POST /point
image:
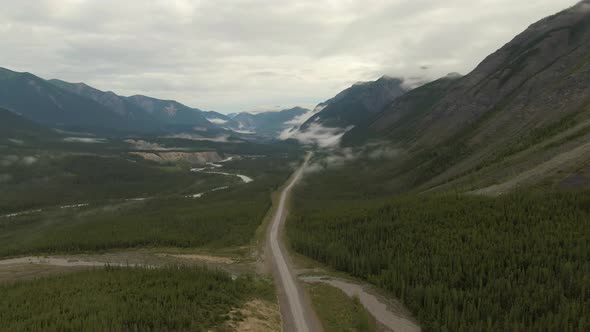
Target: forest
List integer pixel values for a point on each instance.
(128, 299)
(518, 262)
(220, 218)
(127, 201)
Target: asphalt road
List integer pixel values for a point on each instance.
(296, 310)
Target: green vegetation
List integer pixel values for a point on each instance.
(220, 218)
(129, 201)
(49, 180)
(536, 136)
(459, 263)
(338, 312)
(127, 299)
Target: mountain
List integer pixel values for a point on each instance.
(117, 104)
(172, 113)
(80, 106)
(520, 117)
(43, 102)
(269, 124)
(357, 104)
(144, 112)
(222, 120)
(15, 129)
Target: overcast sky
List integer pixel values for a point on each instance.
(239, 55)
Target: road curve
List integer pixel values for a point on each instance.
(296, 310)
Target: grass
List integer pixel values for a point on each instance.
(338, 312)
(127, 299)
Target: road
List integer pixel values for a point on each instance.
(295, 307)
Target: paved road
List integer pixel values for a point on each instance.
(295, 307)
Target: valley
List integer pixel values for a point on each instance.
(411, 202)
(92, 213)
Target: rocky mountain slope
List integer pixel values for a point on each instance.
(171, 112)
(117, 104)
(154, 113)
(355, 105)
(79, 106)
(43, 102)
(526, 104)
(269, 124)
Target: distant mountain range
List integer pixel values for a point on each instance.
(350, 108)
(521, 117)
(78, 106)
(269, 124)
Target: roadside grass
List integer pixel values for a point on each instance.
(338, 312)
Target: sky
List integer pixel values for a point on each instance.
(254, 55)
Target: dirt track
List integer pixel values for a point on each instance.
(295, 308)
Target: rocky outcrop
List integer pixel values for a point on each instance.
(196, 158)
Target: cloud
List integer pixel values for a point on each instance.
(317, 135)
(16, 141)
(29, 160)
(5, 178)
(244, 54)
(383, 152)
(193, 137)
(8, 160)
(583, 7)
(11, 160)
(217, 121)
(375, 151)
(301, 119)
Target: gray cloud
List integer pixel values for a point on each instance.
(316, 135)
(255, 54)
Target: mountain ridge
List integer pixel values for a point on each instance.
(520, 98)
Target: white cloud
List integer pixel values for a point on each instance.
(317, 135)
(246, 132)
(238, 55)
(217, 121)
(5, 177)
(11, 160)
(383, 152)
(29, 160)
(299, 120)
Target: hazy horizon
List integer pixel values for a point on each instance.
(255, 55)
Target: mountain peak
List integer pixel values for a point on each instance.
(390, 78)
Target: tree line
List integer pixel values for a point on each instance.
(463, 263)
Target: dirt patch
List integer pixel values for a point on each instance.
(34, 271)
(206, 258)
(144, 145)
(256, 316)
(388, 312)
(31, 267)
(190, 157)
